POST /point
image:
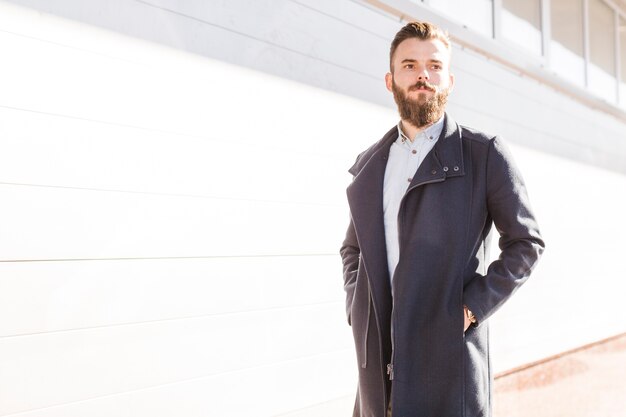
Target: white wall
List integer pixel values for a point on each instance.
(172, 221)
(169, 246)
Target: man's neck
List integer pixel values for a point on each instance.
(411, 130)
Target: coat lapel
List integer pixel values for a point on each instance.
(365, 196)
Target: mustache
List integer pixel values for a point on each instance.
(423, 84)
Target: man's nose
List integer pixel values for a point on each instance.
(422, 74)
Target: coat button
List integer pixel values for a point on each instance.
(456, 168)
(433, 172)
(445, 169)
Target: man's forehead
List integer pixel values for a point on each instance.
(431, 49)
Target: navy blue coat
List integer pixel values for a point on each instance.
(464, 185)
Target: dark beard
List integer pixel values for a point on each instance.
(420, 112)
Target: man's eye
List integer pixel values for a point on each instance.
(408, 66)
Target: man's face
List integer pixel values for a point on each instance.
(421, 80)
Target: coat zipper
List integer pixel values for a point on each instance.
(390, 365)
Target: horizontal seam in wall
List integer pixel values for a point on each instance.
(585, 147)
(162, 194)
(527, 127)
(275, 45)
(467, 69)
(147, 258)
(89, 51)
(104, 122)
(313, 406)
(255, 144)
(306, 6)
(174, 319)
(182, 381)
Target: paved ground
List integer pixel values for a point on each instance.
(590, 382)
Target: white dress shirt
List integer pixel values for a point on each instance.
(405, 156)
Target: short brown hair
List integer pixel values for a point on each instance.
(419, 30)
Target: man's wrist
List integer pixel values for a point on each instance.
(470, 316)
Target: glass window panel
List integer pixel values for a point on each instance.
(602, 50)
(475, 14)
(622, 54)
(521, 23)
(566, 46)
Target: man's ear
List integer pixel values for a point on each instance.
(451, 83)
(389, 81)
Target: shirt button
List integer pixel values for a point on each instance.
(414, 151)
(430, 137)
(409, 179)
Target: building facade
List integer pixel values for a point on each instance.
(172, 179)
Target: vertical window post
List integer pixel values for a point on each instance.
(622, 61)
(497, 19)
(586, 39)
(546, 31)
(618, 70)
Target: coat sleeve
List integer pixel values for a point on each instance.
(520, 243)
(350, 255)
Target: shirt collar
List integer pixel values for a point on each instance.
(433, 131)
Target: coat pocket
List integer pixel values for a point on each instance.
(477, 372)
(361, 317)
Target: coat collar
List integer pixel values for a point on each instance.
(445, 160)
(446, 157)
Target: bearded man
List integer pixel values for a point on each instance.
(419, 291)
